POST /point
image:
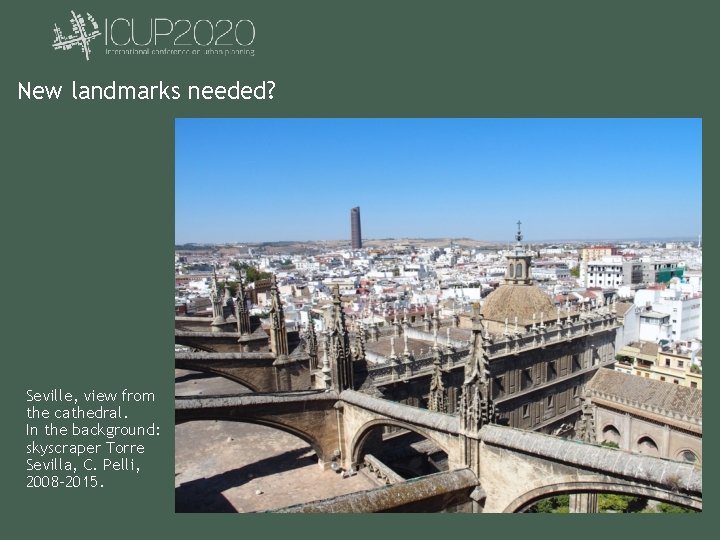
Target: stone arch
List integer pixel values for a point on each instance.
(611, 434)
(569, 486)
(647, 445)
(366, 429)
(224, 374)
(306, 437)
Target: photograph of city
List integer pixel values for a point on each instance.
(438, 315)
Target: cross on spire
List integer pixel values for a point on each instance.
(519, 236)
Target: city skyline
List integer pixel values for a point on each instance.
(254, 180)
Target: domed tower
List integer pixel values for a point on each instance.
(518, 301)
(518, 263)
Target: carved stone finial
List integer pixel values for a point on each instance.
(437, 398)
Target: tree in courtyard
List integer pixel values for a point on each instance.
(252, 273)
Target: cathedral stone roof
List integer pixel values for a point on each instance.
(521, 301)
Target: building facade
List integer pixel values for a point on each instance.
(676, 363)
(684, 310)
(535, 357)
(647, 416)
(611, 272)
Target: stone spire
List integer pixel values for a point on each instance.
(326, 369)
(278, 332)
(448, 344)
(241, 311)
(476, 408)
(340, 345)
(393, 355)
(360, 342)
(374, 331)
(436, 316)
(215, 299)
(311, 346)
(396, 323)
(586, 424)
(406, 351)
(477, 365)
(227, 307)
(426, 319)
(437, 398)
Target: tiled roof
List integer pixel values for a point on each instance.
(644, 392)
(522, 301)
(623, 307)
(645, 347)
(458, 334)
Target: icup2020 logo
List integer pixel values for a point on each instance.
(80, 36)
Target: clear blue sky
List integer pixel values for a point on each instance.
(249, 180)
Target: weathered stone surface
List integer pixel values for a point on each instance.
(515, 467)
(309, 415)
(431, 493)
(259, 371)
(542, 466)
(422, 417)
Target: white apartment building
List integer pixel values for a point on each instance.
(654, 326)
(684, 309)
(611, 272)
(606, 273)
(552, 272)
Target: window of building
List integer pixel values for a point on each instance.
(647, 375)
(689, 456)
(551, 371)
(551, 400)
(498, 387)
(575, 362)
(647, 446)
(667, 362)
(681, 363)
(526, 410)
(527, 379)
(675, 381)
(662, 378)
(576, 391)
(693, 384)
(611, 434)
